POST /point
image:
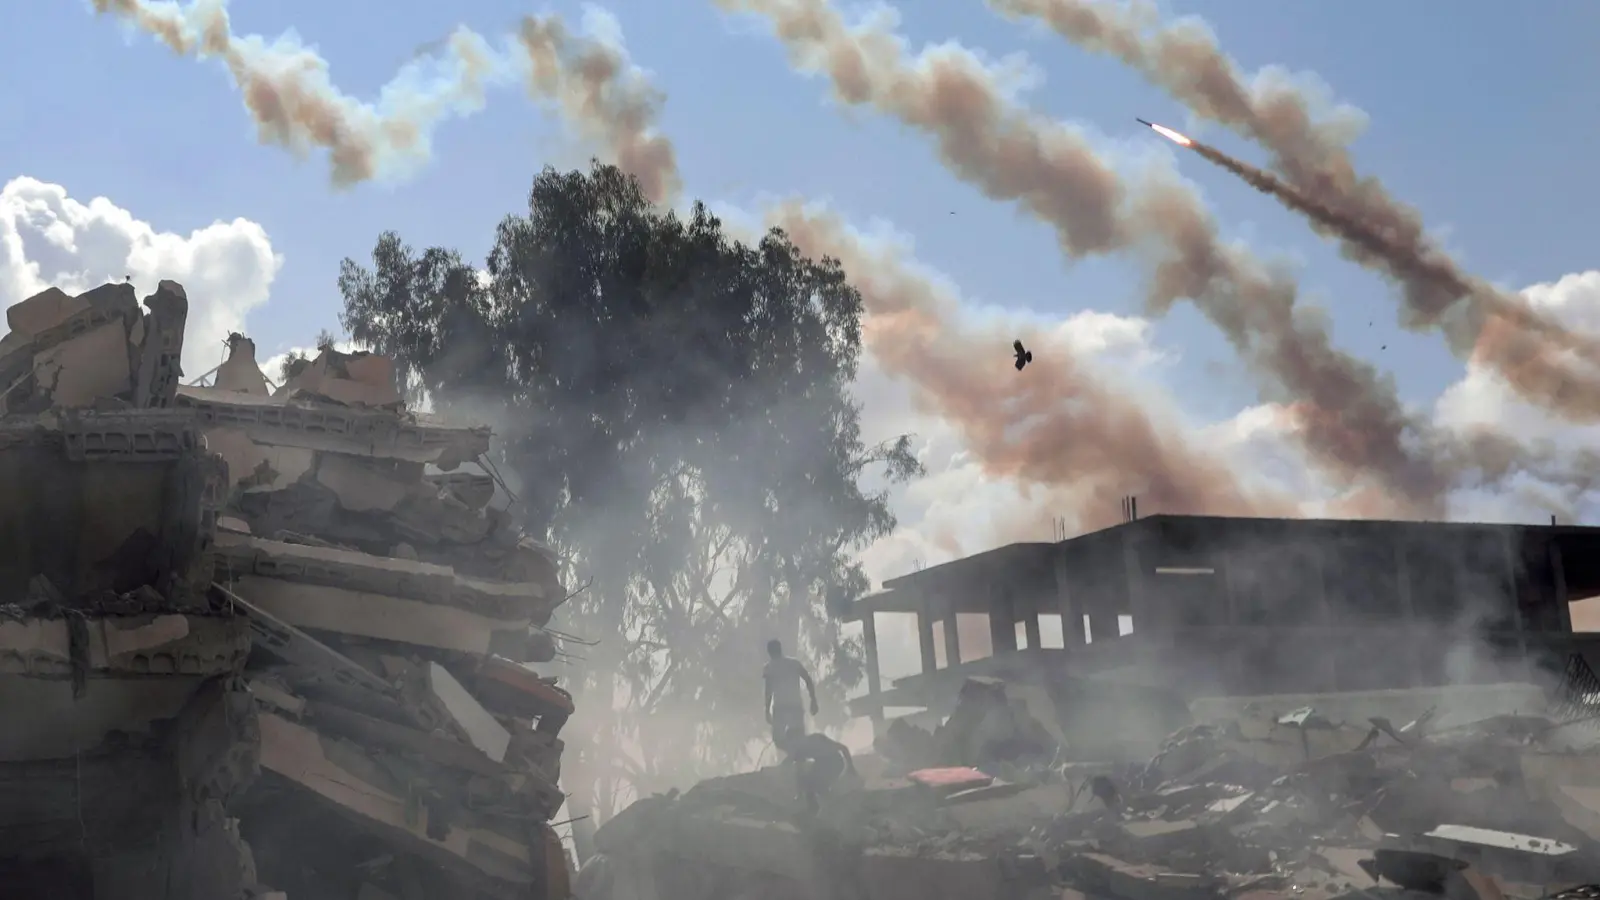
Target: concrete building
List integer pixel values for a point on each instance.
(1218, 606)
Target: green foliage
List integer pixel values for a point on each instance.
(673, 409)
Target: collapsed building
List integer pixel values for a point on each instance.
(260, 642)
(1269, 803)
(1235, 708)
(1188, 607)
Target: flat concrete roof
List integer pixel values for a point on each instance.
(1034, 561)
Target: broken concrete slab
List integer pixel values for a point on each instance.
(360, 379)
(518, 688)
(87, 368)
(55, 722)
(42, 311)
(297, 753)
(380, 616)
(898, 874)
(280, 421)
(742, 842)
(268, 691)
(258, 467)
(1142, 882)
(472, 489)
(157, 371)
(239, 373)
(1517, 857)
(468, 715)
(375, 732)
(133, 645)
(360, 485)
(368, 573)
(1035, 803)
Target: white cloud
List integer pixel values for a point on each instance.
(48, 238)
(953, 511)
(958, 508)
(1483, 399)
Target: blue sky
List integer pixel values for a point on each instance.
(1482, 114)
(1484, 118)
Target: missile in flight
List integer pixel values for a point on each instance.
(1173, 136)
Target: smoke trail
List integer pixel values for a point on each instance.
(1352, 421)
(1544, 363)
(1060, 427)
(294, 104)
(598, 90)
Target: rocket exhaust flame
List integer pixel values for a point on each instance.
(1508, 320)
(1180, 139)
(1544, 362)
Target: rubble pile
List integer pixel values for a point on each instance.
(262, 641)
(126, 729)
(397, 609)
(1291, 804)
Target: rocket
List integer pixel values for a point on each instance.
(1173, 136)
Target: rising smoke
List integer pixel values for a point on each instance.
(1544, 363)
(1349, 417)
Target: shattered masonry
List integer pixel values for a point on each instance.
(1458, 802)
(1301, 710)
(258, 642)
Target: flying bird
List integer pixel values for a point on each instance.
(1024, 356)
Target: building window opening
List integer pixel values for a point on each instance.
(1051, 634)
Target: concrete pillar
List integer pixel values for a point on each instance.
(1002, 622)
(1130, 599)
(930, 659)
(1030, 626)
(869, 637)
(1512, 555)
(1402, 552)
(952, 633)
(1558, 571)
(1068, 605)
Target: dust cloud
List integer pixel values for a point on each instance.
(1351, 420)
(1547, 365)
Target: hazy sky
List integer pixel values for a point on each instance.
(1483, 115)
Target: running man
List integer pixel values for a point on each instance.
(785, 712)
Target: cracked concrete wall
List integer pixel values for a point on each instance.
(127, 731)
(97, 349)
(142, 820)
(91, 527)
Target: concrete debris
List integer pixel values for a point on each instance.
(261, 642)
(1243, 808)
